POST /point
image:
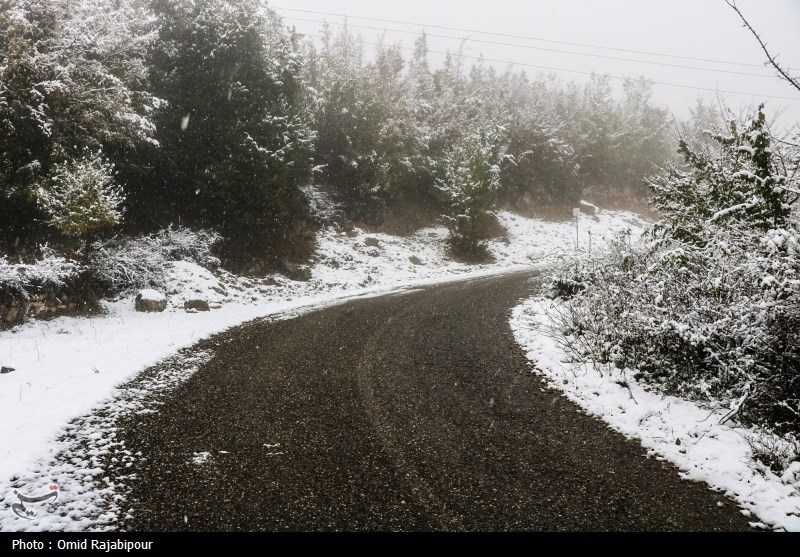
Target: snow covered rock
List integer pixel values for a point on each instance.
(150, 300)
(196, 304)
(587, 208)
(295, 271)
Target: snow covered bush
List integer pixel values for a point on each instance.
(123, 264)
(21, 279)
(51, 278)
(707, 304)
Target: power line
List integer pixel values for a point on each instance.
(536, 48)
(667, 84)
(526, 37)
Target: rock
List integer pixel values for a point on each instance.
(295, 271)
(415, 260)
(371, 242)
(15, 313)
(11, 315)
(6, 369)
(587, 208)
(196, 304)
(214, 306)
(351, 233)
(373, 252)
(150, 301)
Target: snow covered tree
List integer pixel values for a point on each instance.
(597, 124)
(542, 166)
(235, 145)
(469, 177)
(738, 183)
(71, 78)
(708, 306)
(83, 199)
(642, 140)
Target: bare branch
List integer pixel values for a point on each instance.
(794, 82)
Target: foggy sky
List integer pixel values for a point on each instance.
(695, 28)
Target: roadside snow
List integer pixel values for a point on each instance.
(66, 367)
(670, 428)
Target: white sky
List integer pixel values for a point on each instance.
(695, 28)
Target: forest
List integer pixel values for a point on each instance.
(123, 118)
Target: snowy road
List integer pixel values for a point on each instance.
(414, 411)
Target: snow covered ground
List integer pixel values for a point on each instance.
(66, 367)
(677, 430)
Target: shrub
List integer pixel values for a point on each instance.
(123, 264)
(469, 180)
(23, 279)
(707, 305)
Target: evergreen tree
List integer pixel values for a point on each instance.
(643, 142)
(235, 146)
(738, 184)
(83, 200)
(71, 79)
(469, 177)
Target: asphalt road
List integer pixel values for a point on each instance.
(408, 412)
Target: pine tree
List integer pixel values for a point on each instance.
(83, 200)
(738, 184)
(235, 146)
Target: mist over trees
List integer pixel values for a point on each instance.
(213, 114)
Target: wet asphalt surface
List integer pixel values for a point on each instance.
(408, 412)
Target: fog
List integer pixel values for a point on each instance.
(676, 30)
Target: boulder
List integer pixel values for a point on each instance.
(196, 304)
(150, 301)
(219, 289)
(295, 271)
(371, 242)
(15, 313)
(587, 208)
(415, 260)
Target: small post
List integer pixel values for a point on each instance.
(576, 212)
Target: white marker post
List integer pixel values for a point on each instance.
(576, 212)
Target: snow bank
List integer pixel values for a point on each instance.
(677, 430)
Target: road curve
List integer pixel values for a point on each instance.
(407, 412)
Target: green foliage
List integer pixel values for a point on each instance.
(70, 81)
(470, 178)
(736, 182)
(235, 147)
(82, 199)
